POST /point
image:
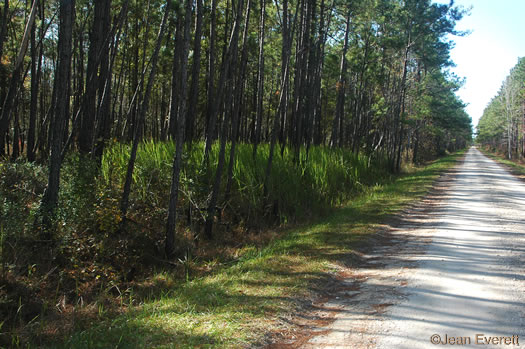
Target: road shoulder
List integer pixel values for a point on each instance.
(350, 311)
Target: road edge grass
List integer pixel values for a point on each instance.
(515, 167)
(239, 304)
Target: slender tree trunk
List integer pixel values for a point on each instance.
(318, 91)
(124, 203)
(231, 48)
(287, 123)
(15, 153)
(211, 112)
(275, 131)
(50, 198)
(35, 78)
(335, 140)
(401, 110)
(177, 161)
(3, 27)
(3, 34)
(135, 83)
(311, 67)
(194, 89)
(281, 112)
(96, 42)
(301, 114)
(239, 92)
(9, 101)
(260, 79)
(176, 84)
(295, 124)
(103, 106)
(42, 107)
(104, 86)
(416, 145)
(285, 48)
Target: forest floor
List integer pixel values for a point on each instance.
(448, 271)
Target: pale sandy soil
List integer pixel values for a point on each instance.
(452, 266)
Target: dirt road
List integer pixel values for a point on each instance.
(455, 276)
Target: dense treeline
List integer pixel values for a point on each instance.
(366, 76)
(502, 125)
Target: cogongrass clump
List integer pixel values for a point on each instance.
(297, 187)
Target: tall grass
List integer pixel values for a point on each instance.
(327, 178)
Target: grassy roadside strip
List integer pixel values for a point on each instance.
(239, 304)
(513, 166)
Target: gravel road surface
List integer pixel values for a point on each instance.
(454, 277)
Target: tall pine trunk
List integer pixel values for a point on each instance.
(169, 246)
(194, 88)
(102, 120)
(50, 199)
(124, 202)
(336, 139)
(9, 101)
(35, 79)
(96, 41)
(260, 80)
(211, 118)
(230, 50)
(238, 95)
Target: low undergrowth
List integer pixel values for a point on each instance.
(320, 178)
(236, 302)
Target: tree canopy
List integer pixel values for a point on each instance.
(501, 126)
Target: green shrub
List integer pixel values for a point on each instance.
(21, 186)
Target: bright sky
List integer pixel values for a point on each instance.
(486, 56)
